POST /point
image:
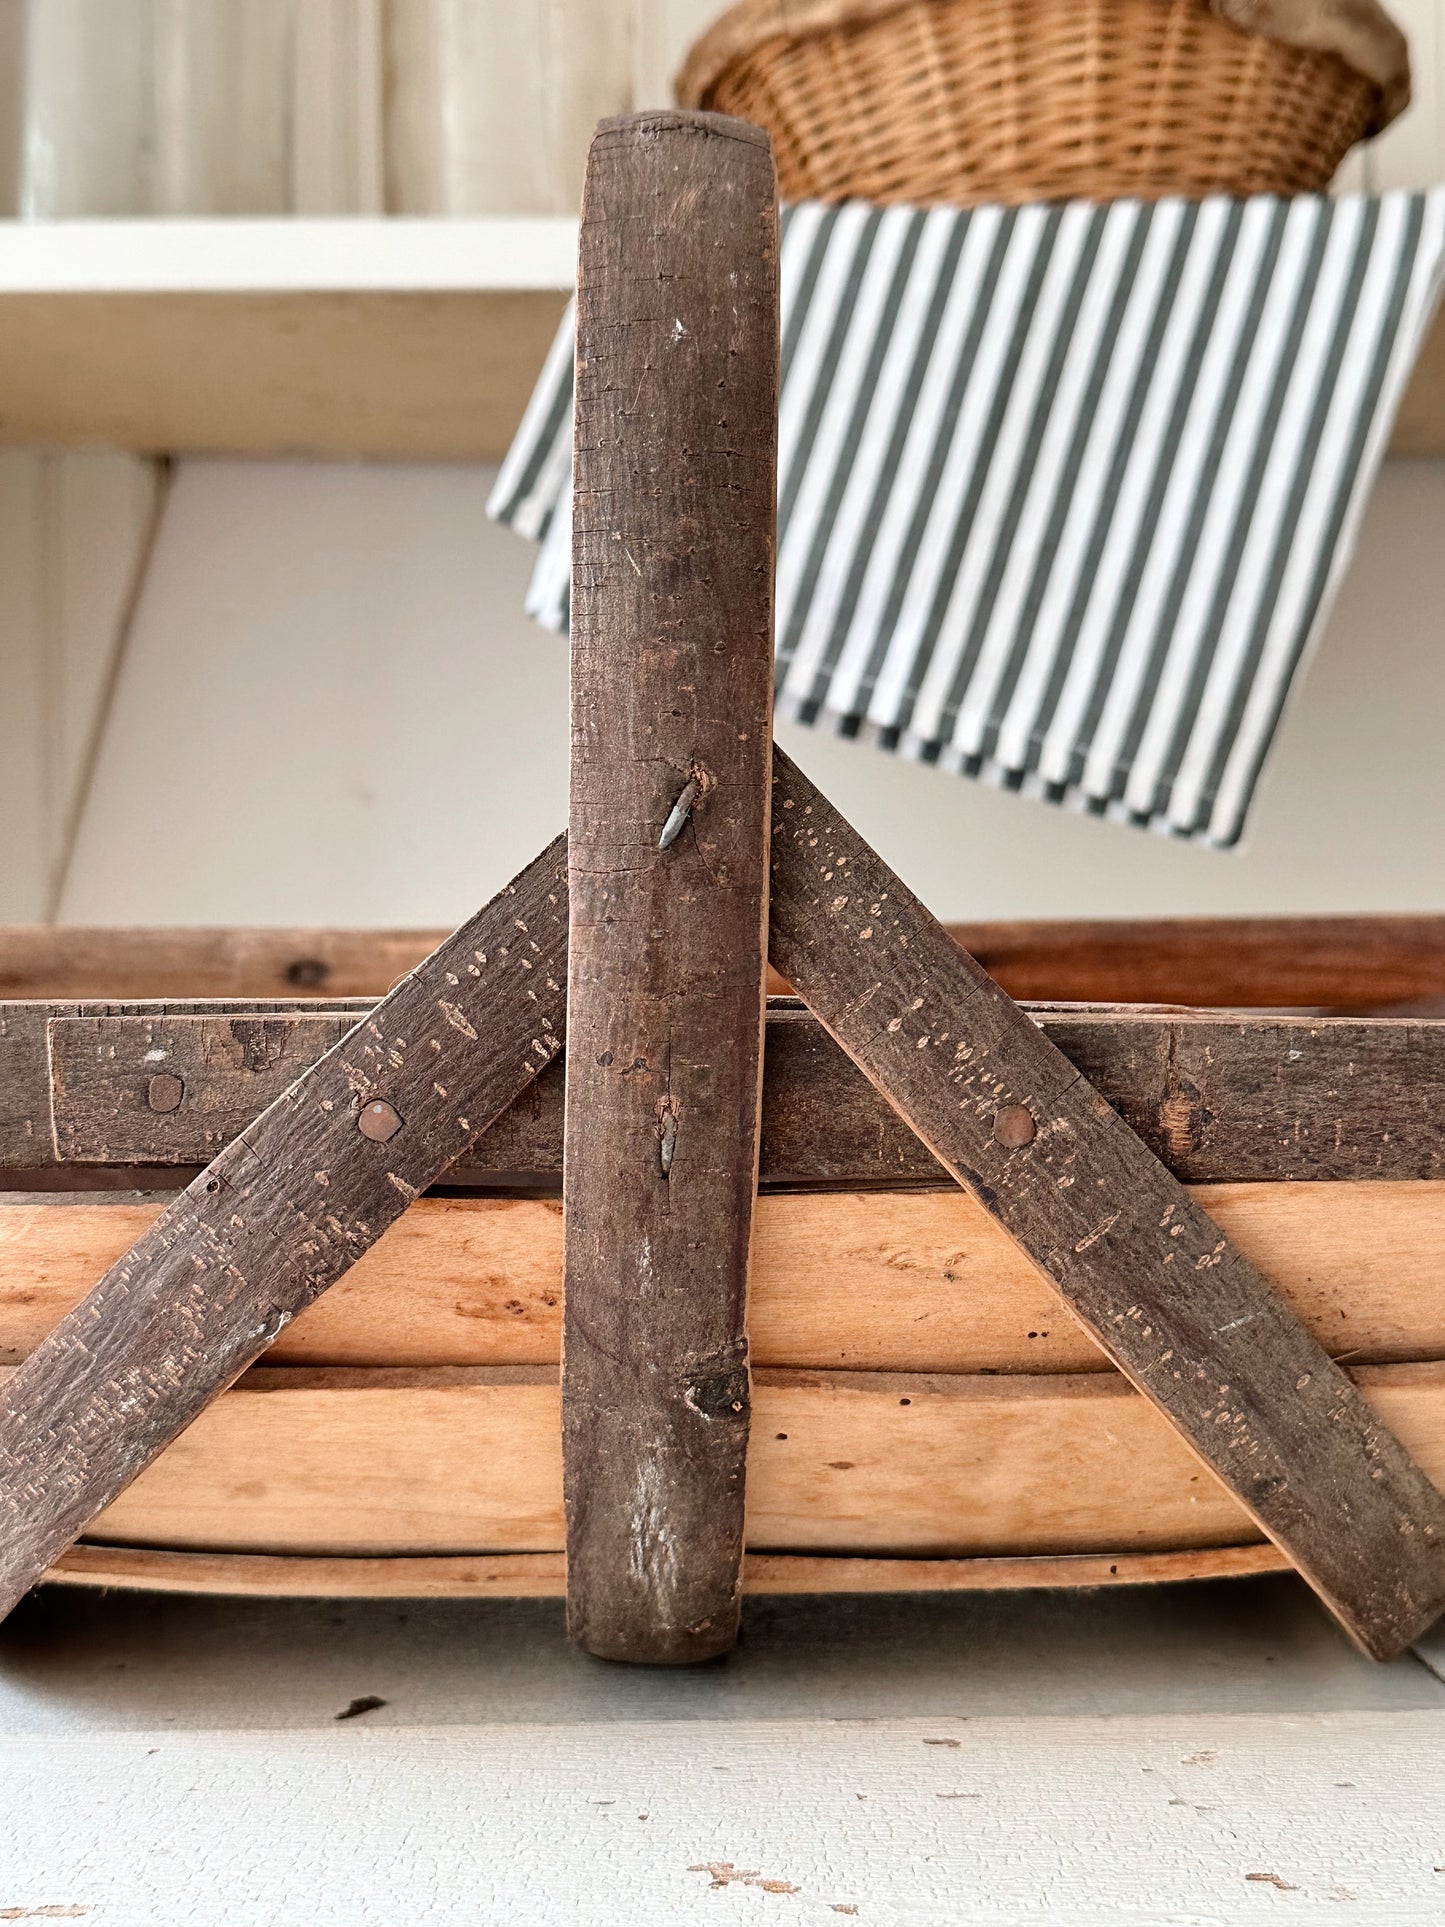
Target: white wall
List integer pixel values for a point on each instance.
(331, 710)
(73, 535)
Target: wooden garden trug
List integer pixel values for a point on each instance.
(697, 851)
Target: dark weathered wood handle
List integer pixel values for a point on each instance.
(674, 503)
(1181, 1312)
(279, 1216)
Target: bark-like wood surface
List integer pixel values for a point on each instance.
(1231, 1368)
(1218, 1097)
(278, 1217)
(223, 1071)
(673, 540)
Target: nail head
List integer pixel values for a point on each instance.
(164, 1092)
(1014, 1127)
(378, 1120)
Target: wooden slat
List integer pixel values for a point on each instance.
(278, 1217)
(1239, 1378)
(542, 1575)
(878, 1281)
(27, 1139)
(1218, 1097)
(672, 675)
(1339, 963)
(1342, 963)
(220, 1074)
(894, 1465)
(80, 961)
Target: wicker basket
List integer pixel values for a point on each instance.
(1016, 100)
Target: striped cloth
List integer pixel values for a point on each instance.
(1065, 492)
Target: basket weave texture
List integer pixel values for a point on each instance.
(969, 101)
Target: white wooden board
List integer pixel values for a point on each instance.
(1075, 1822)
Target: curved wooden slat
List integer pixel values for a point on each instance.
(862, 1281)
(542, 1575)
(897, 1465)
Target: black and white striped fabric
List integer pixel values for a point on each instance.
(1064, 492)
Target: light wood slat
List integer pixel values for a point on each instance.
(542, 1575)
(277, 1218)
(342, 1462)
(1218, 1097)
(1239, 1378)
(874, 1281)
(674, 516)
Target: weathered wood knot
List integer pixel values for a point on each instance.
(720, 1395)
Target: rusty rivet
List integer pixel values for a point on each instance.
(1014, 1127)
(378, 1121)
(164, 1093)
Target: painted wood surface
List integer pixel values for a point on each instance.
(1197, 1816)
(281, 1214)
(1238, 1377)
(431, 374)
(880, 1281)
(672, 695)
(456, 1460)
(1217, 1097)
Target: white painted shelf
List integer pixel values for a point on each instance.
(416, 339)
(387, 337)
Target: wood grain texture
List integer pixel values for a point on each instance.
(343, 1463)
(27, 1135)
(1218, 1097)
(672, 671)
(862, 1281)
(276, 1218)
(228, 1069)
(543, 1575)
(78, 961)
(1234, 1372)
(1343, 963)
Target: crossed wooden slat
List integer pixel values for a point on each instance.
(677, 399)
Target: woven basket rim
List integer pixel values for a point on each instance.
(1377, 49)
